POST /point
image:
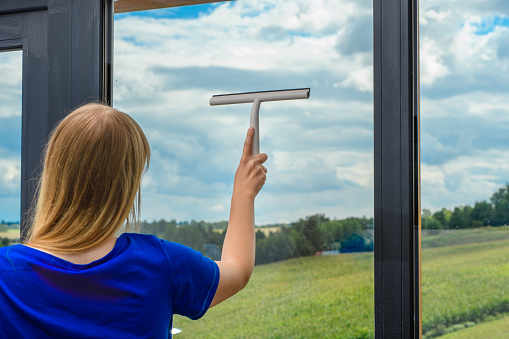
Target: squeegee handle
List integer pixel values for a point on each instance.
(255, 122)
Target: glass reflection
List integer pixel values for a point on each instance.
(10, 146)
(314, 264)
(465, 195)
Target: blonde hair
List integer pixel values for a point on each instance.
(90, 184)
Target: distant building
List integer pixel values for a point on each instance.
(356, 243)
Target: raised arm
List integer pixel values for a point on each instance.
(238, 256)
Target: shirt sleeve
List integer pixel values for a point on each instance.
(194, 280)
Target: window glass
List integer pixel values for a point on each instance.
(465, 168)
(314, 266)
(10, 145)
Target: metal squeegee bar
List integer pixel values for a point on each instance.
(241, 98)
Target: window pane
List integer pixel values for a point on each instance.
(10, 145)
(314, 216)
(465, 166)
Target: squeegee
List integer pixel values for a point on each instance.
(257, 98)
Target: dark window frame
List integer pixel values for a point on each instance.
(67, 61)
(67, 53)
(397, 169)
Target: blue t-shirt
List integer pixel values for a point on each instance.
(132, 292)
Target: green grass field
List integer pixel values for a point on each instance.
(319, 297)
(464, 284)
(492, 329)
(467, 283)
(11, 234)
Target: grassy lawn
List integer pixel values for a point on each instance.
(313, 297)
(11, 234)
(464, 283)
(444, 238)
(493, 329)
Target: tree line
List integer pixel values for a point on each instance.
(305, 237)
(494, 212)
(317, 233)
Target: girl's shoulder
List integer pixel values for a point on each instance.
(138, 239)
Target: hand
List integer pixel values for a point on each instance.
(251, 174)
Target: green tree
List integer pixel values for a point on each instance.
(214, 237)
(276, 247)
(458, 219)
(500, 203)
(260, 235)
(332, 234)
(481, 214)
(443, 216)
(192, 236)
(306, 235)
(430, 223)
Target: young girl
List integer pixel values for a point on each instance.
(73, 278)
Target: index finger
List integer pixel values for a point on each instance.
(248, 144)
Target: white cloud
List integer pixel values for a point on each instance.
(218, 207)
(461, 47)
(10, 86)
(464, 180)
(432, 63)
(175, 66)
(10, 177)
(362, 79)
(320, 150)
(431, 16)
(322, 147)
(464, 102)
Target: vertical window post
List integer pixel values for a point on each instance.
(396, 153)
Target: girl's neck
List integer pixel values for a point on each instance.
(85, 257)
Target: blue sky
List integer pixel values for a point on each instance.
(183, 12)
(168, 63)
(488, 25)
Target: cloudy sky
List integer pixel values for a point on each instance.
(168, 64)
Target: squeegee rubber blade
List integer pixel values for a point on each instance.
(277, 95)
